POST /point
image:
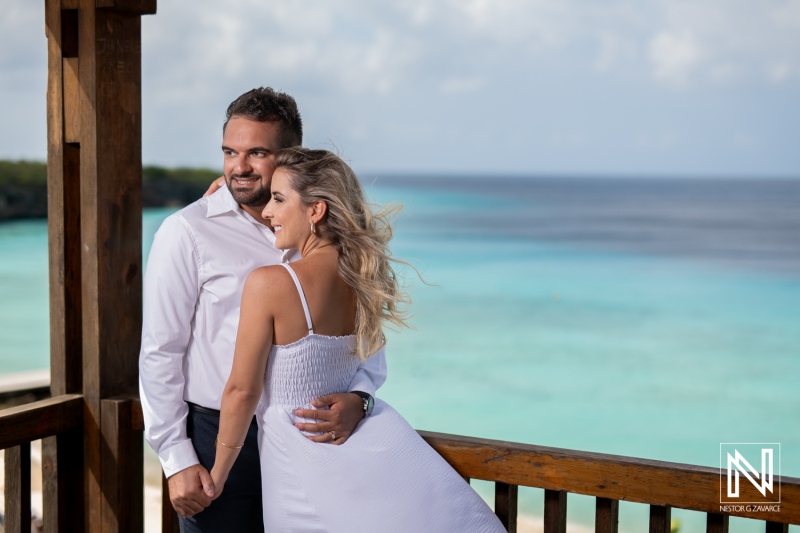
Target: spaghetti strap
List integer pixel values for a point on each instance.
(302, 296)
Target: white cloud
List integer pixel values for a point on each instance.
(779, 71)
(615, 49)
(675, 56)
(388, 79)
(461, 85)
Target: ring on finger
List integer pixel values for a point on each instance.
(333, 435)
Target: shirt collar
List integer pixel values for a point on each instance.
(221, 202)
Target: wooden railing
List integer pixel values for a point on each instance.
(60, 423)
(609, 478)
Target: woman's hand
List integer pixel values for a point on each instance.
(219, 483)
(216, 185)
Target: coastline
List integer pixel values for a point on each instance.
(23, 188)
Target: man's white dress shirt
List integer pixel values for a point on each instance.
(196, 269)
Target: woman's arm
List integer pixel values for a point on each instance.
(243, 390)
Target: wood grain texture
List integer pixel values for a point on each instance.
(555, 511)
(122, 482)
(140, 7)
(601, 475)
(111, 207)
(606, 516)
(717, 523)
(18, 489)
(660, 518)
(62, 482)
(505, 505)
(63, 205)
(26, 423)
(169, 518)
(72, 105)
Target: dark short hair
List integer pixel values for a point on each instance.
(264, 104)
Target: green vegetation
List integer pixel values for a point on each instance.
(33, 173)
(22, 173)
(23, 187)
(193, 176)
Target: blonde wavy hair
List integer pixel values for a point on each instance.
(360, 235)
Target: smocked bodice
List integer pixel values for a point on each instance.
(311, 367)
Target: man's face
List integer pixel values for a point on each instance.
(249, 149)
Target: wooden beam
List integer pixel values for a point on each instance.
(123, 508)
(140, 7)
(63, 209)
(111, 241)
(62, 482)
(36, 420)
(169, 518)
(72, 102)
(18, 489)
(62, 456)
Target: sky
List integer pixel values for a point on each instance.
(514, 87)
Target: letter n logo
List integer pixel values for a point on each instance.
(755, 462)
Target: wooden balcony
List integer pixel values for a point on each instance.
(91, 427)
(608, 478)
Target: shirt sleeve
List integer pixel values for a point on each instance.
(171, 288)
(371, 374)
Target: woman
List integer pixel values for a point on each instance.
(303, 330)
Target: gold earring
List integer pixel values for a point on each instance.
(313, 229)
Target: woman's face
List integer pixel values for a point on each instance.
(290, 219)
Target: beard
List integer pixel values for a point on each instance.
(256, 197)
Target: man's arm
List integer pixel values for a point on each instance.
(371, 374)
(345, 410)
(171, 290)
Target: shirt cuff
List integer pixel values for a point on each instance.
(178, 457)
(362, 383)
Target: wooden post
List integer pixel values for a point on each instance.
(555, 511)
(606, 517)
(18, 489)
(62, 455)
(660, 518)
(94, 213)
(124, 499)
(169, 518)
(505, 505)
(717, 523)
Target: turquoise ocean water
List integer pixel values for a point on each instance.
(650, 318)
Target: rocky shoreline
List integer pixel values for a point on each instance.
(23, 188)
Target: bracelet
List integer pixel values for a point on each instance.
(226, 445)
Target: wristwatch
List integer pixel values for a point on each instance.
(369, 401)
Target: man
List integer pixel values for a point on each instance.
(200, 258)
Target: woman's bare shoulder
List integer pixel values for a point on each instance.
(272, 280)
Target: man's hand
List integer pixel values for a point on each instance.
(215, 186)
(346, 411)
(191, 490)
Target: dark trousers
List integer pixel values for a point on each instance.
(239, 507)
